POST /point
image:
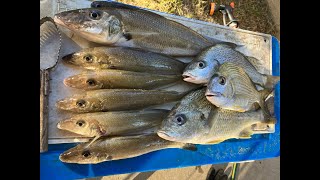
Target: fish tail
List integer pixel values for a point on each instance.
(271, 81)
(190, 147)
(271, 120)
(263, 95)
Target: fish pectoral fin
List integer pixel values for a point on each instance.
(268, 118)
(214, 142)
(255, 106)
(93, 140)
(190, 147)
(229, 44)
(245, 134)
(138, 35)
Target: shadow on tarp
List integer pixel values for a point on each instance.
(80, 169)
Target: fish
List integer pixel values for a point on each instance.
(207, 63)
(101, 4)
(121, 58)
(192, 106)
(103, 100)
(138, 28)
(195, 120)
(113, 123)
(231, 88)
(115, 148)
(118, 79)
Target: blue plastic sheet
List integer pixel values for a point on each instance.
(260, 146)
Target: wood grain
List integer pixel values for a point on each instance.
(44, 87)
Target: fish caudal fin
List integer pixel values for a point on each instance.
(190, 147)
(271, 120)
(271, 81)
(263, 95)
(268, 118)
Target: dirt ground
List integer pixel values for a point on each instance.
(253, 15)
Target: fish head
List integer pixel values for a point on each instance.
(82, 154)
(81, 125)
(200, 71)
(79, 104)
(95, 25)
(183, 124)
(89, 58)
(219, 90)
(86, 81)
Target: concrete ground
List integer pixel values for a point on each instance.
(257, 170)
(268, 169)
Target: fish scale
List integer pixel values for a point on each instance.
(238, 93)
(158, 23)
(113, 123)
(116, 100)
(227, 124)
(117, 79)
(136, 28)
(203, 123)
(227, 54)
(128, 59)
(214, 56)
(114, 148)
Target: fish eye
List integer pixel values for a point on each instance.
(201, 65)
(80, 123)
(88, 58)
(94, 15)
(91, 82)
(81, 103)
(222, 80)
(180, 119)
(86, 153)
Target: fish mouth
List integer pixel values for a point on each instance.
(67, 81)
(68, 58)
(212, 94)
(188, 77)
(57, 19)
(64, 157)
(164, 135)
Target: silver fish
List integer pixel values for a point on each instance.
(195, 120)
(137, 28)
(114, 148)
(122, 58)
(231, 88)
(202, 68)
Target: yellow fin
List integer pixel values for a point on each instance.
(246, 134)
